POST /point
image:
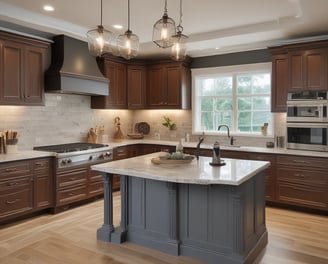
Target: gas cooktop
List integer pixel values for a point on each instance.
(70, 147)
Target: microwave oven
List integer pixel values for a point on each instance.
(307, 136)
(307, 111)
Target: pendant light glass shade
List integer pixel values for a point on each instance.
(99, 39)
(179, 49)
(163, 30)
(128, 43)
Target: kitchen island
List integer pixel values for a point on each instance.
(215, 214)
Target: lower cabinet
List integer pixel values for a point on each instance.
(302, 181)
(25, 187)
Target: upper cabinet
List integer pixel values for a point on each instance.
(298, 67)
(22, 65)
(168, 86)
(139, 84)
(136, 86)
(117, 98)
(308, 69)
(280, 82)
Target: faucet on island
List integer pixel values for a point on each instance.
(200, 140)
(228, 131)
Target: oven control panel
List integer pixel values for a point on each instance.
(81, 159)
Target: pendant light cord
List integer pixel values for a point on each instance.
(101, 11)
(165, 7)
(180, 21)
(129, 15)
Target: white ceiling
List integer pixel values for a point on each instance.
(213, 26)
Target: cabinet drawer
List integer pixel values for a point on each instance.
(42, 164)
(70, 195)
(95, 176)
(72, 178)
(96, 188)
(14, 169)
(300, 161)
(16, 201)
(302, 195)
(8, 185)
(121, 153)
(314, 178)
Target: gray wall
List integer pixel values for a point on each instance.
(245, 57)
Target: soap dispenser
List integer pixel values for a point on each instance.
(216, 158)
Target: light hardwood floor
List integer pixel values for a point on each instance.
(70, 237)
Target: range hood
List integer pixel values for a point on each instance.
(73, 70)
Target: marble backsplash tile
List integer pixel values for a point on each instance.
(68, 118)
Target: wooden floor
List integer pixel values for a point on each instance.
(70, 237)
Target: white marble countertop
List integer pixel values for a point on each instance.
(24, 154)
(31, 154)
(199, 171)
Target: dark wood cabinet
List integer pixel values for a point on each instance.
(280, 82)
(168, 86)
(43, 186)
(21, 70)
(136, 86)
(308, 69)
(16, 189)
(302, 181)
(116, 72)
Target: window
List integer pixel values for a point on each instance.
(237, 96)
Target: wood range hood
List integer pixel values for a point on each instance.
(73, 70)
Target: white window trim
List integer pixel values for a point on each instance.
(214, 71)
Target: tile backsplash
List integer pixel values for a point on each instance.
(68, 118)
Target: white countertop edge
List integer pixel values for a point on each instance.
(25, 155)
(119, 167)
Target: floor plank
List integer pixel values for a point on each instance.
(70, 237)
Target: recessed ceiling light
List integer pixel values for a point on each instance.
(48, 8)
(118, 26)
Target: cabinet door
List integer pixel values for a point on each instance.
(308, 70)
(43, 187)
(316, 69)
(136, 87)
(280, 82)
(116, 73)
(12, 73)
(155, 87)
(34, 84)
(173, 91)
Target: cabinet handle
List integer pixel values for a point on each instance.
(300, 161)
(299, 175)
(71, 194)
(10, 169)
(12, 183)
(39, 163)
(12, 202)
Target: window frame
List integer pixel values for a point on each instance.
(256, 68)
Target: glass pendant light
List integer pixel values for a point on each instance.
(163, 30)
(178, 51)
(128, 43)
(99, 39)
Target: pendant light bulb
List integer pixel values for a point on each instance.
(128, 43)
(99, 39)
(163, 30)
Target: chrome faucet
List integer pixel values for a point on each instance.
(200, 140)
(228, 130)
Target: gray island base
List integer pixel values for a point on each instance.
(191, 210)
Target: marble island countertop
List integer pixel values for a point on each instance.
(199, 171)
